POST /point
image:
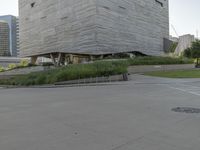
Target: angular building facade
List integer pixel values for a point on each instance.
(4, 39)
(92, 27)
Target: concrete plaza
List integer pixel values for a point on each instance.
(133, 115)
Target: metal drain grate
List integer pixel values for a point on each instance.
(188, 110)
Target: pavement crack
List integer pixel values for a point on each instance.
(131, 141)
(127, 143)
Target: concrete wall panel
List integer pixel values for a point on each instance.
(92, 26)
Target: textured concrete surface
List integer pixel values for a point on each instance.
(93, 26)
(184, 42)
(134, 115)
(23, 71)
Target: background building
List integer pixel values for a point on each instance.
(4, 39)
(92, 27)
(184, 42)
(6, 61)
(14, 33)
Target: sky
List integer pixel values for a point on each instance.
(184, 15)
(9, 7)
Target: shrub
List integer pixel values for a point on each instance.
(23, 63)
(188, 53)
(70, 72)
(194, 51)
(12, 66)
(41, 79)
(2, 69)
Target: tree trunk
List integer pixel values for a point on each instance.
(197, 65)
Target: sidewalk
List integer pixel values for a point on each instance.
(150, 68)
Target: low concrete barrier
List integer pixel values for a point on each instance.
(23, 71)
(150, 68)
(114, 78)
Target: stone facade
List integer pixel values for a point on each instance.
(93, 27)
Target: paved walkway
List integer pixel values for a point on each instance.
(149, 68)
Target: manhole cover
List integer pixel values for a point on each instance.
(187, 110)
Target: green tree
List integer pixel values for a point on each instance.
(194, 52)
(187, 53)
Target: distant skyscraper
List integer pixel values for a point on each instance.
(17, 36)
(4, 39)
(14, 33)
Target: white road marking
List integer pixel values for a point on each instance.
(188, 90)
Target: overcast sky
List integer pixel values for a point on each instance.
(184, 14)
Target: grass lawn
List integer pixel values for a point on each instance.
(176, 74)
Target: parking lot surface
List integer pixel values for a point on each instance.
(133, 115)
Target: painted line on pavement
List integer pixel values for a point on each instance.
(184, 90)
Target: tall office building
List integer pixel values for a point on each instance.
(17, 37)
(4, 39)
(14, 36)
(92, 27)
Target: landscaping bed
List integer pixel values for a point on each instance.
(71, 72)
(82, 71)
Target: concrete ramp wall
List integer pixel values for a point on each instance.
(184, 42)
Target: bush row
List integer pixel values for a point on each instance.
(96, 69)
(70, 72)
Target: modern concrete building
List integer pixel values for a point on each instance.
(17, 37)
(92, 27)
(14, 33)
(184, 42)
(4, 39)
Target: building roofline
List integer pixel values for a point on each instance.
(8, 16)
